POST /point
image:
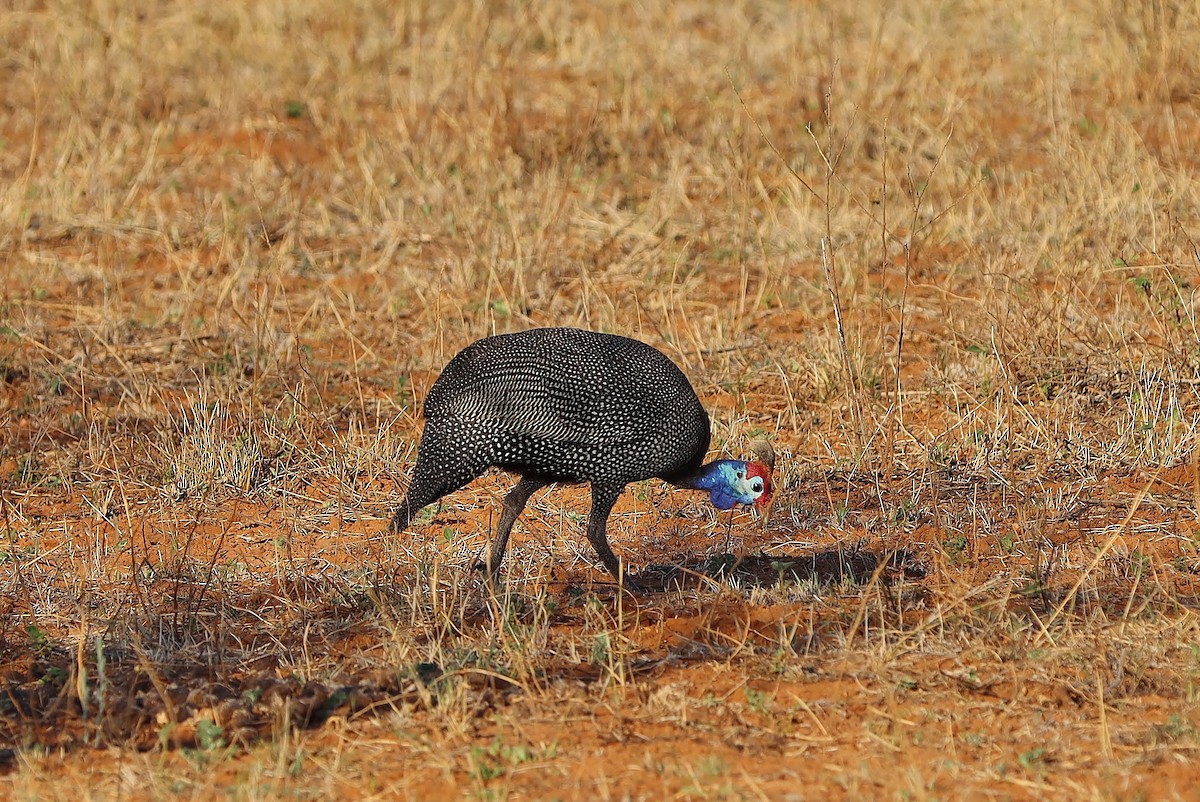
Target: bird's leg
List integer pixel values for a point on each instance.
(603, 499)
(514, 502)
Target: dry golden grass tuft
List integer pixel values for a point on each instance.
(943, 254)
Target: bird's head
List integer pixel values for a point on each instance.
(730, 481)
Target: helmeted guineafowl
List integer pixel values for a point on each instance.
(567, 405)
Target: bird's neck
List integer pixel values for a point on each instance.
(708, 476)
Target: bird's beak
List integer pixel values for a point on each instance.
(765, 511)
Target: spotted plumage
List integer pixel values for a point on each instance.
(567, 405)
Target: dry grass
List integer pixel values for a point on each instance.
(944, 255)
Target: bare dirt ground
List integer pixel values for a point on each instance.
(944, 255)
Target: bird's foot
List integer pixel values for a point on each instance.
(634, 584)
(491, 578)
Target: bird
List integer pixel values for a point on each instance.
(571, 406)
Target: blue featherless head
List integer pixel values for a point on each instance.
(730, 482)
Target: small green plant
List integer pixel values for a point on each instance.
(760, 702)
(1174, 729)
(490, 762)
(601, 648)
(955, 547)
(719, 565)
(1033, 760)
(903, 512)
(209, 735)
(39, 641)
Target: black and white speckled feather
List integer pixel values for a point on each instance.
(557, 405)
(572, 404)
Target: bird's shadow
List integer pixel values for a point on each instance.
(833, 567)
